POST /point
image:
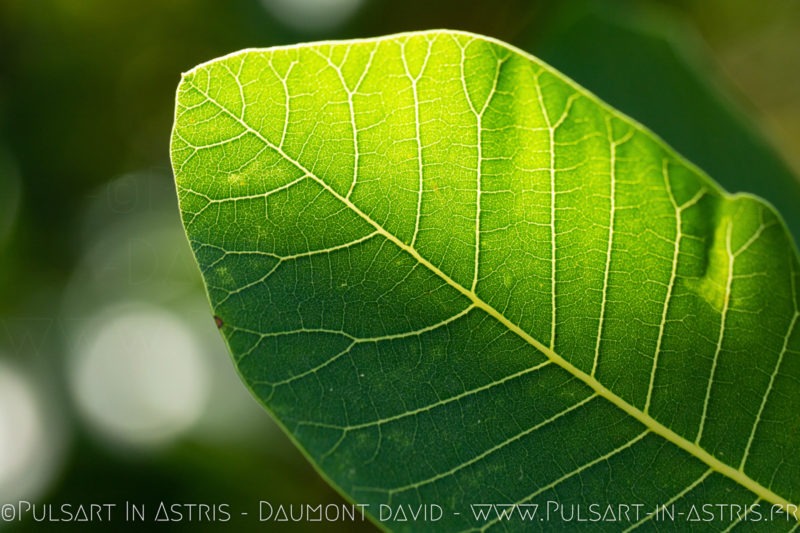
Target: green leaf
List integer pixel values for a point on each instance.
(457, 278)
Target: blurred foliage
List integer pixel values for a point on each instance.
(87, 206)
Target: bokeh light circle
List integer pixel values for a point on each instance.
(138, 376)
(28, 444)
(312, 15)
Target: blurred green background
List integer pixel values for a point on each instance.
(114, 385)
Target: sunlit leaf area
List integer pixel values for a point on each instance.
(117, 389)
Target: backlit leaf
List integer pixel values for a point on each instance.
(457, 278)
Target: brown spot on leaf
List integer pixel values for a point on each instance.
(218, 321)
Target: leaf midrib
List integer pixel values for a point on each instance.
(653, 425)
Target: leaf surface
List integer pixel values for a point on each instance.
(457, 278)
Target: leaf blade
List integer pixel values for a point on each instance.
(505, 202)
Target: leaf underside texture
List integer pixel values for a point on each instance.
(456, 277)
